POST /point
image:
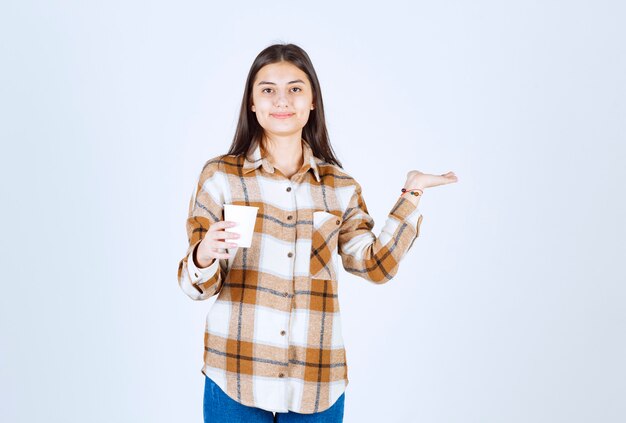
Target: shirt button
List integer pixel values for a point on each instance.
(289, 254)
(281, 375)
(289, 217)
(282, 332)
(288, 189)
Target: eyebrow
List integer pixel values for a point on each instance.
(272, 83)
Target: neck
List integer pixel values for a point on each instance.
(285, 152)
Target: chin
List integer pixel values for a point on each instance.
(282, 130)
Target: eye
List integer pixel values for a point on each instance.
(297, 88)
(264, 90)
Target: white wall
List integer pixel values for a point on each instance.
(510, 306)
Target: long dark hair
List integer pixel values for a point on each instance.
(314, 132)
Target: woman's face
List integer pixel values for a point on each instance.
(282, 99)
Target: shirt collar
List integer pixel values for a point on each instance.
(254, 159)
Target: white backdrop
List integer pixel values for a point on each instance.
(509, 307)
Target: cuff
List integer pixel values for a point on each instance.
(198, 275)
(415, 219)
(406, 211)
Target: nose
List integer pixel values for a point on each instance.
(281, 99)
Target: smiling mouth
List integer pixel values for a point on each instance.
(282, 115)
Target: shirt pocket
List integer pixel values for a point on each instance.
(324, 238)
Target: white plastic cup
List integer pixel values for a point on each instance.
(245, 216)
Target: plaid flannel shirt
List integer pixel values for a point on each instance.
(273, 336)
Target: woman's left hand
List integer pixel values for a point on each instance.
(417, 179)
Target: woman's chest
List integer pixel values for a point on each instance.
(297, 225)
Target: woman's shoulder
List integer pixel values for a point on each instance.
(337, 175)
(223, 163)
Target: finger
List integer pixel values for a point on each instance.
(218, 244)
(224, 235)
(219, 254)
(222, 224)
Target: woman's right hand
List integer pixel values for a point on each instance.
(214, 239)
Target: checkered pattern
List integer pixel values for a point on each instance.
(273, 336)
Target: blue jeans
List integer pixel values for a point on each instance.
(219, 407)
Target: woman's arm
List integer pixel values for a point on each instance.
(377, 258)
(205, 209)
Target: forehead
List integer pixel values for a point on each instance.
(280, 72)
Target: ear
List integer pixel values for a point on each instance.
(253, 108)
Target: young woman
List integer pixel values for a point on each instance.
(273, 341)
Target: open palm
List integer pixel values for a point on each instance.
(417, 179)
